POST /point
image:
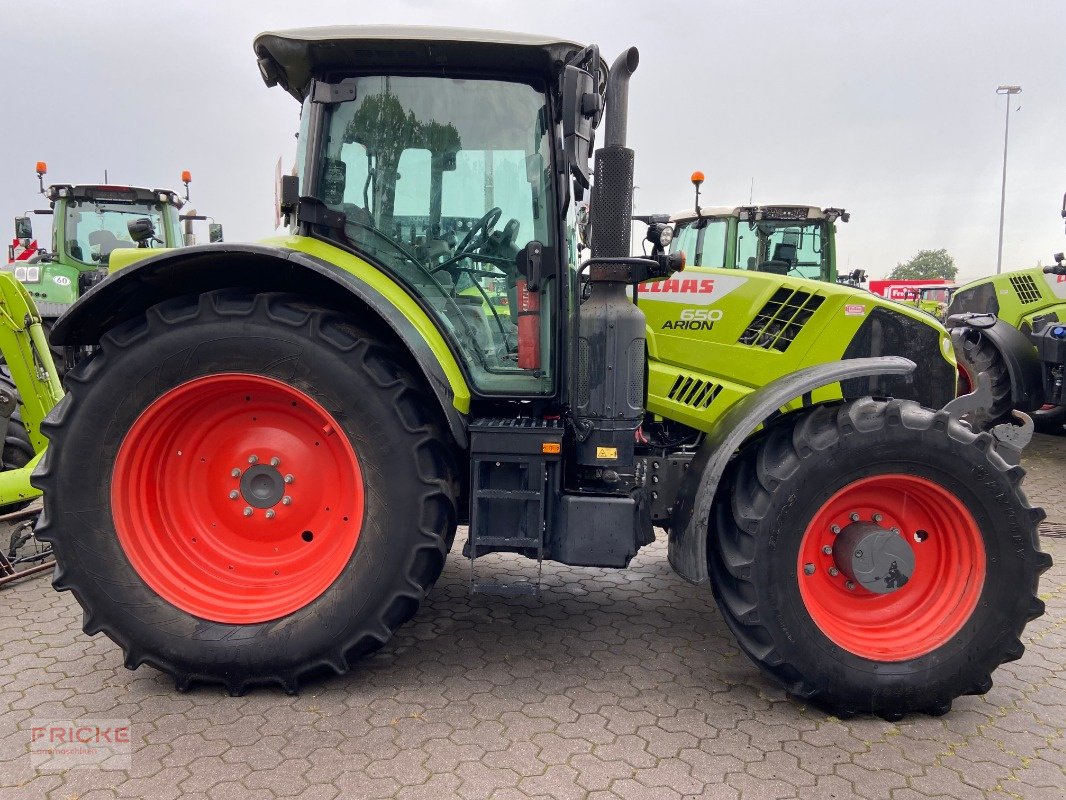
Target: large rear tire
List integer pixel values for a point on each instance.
(924, 483)
(246, 489)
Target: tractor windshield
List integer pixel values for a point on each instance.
(93, 229)
(442, 181)
(784, 248)
(702, 241)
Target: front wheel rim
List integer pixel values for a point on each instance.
(237, 498)
(939, 597)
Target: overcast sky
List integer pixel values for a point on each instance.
(886, 109)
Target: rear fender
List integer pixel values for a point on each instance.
(690, 520)
(129, 292)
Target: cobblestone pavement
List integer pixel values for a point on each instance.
(612, 684)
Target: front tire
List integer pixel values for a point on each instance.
(246, 489)
(913, 644)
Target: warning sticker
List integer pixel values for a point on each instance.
(1057, 284)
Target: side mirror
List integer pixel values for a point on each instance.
(582, 105)
(141, 231)
(23, 228)
(214, 232)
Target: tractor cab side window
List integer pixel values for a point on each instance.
(443, 182)
(702, 240)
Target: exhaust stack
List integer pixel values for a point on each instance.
(612, 192)
(608, 399)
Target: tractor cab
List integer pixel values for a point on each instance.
(793, 240)
(444, 174)
(91, 222)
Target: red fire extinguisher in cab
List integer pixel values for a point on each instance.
(528, 326)
(527, 302)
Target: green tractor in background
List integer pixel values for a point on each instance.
(96, 227)
(992, 322)
(258, 474)
(794, 240)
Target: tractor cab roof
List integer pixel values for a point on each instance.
(777, 213)
(108, 193)
(292, 58)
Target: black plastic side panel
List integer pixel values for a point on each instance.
(198, 269)
(886, 333)
(689, 528)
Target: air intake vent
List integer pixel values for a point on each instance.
(694, 391)
(1026, 288)
(781, 319)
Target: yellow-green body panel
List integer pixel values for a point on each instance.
(131, 255)
(696, 334)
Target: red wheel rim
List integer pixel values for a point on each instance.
(965, 384)
(237, 498)
(943, 590)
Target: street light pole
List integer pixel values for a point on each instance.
(1007, 90)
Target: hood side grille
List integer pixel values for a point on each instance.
(780, 321)
(694, 392)
(1025, 287)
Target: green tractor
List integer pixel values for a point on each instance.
(94, 228)
(933, 300)
(793, 240)
(992, 322)
(258, 474)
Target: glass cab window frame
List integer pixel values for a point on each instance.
(443, 197)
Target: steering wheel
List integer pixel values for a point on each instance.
(483, 226)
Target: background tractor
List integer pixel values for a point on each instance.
(258, 474)
(94, 228)
(992, 322)
(794, 240)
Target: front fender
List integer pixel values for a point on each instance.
(1023, 363)
(691, 514)
(128, 293)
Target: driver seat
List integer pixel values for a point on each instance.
(783, 261)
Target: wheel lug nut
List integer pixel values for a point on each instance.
(833, 571)
(289, 478)
(248, 511)
(234, 495)
(286, 501)
(878, 518)
(834, 528)
(854, 516)
(827, 550)
(808, 569)
(849, 586)
(253, 459)
(270, 513)
(275, 461)
(236, 473)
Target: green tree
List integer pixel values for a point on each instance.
(927, 264)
